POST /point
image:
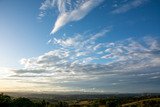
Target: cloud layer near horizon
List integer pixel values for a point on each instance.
(86, 65)
(69, 10)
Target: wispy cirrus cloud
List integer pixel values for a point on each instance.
(128, 6)
(69, 10)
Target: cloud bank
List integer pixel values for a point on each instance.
(69, 10)
(81, 63)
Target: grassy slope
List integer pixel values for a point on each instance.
(141, 102)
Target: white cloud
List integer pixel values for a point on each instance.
(128, 6)
(69, 10)
(79, 60)
(124, 56)
(66, 42)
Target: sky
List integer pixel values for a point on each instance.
(104, 46)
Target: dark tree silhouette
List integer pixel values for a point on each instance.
(5, 100)
(23, 102)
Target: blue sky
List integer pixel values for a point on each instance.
(80, 45)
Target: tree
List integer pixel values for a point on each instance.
(5, 100)
(22, 102)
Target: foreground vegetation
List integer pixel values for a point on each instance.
(143, 101)
(152, 102)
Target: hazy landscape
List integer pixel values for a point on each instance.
(79, 53)
(79, 100)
